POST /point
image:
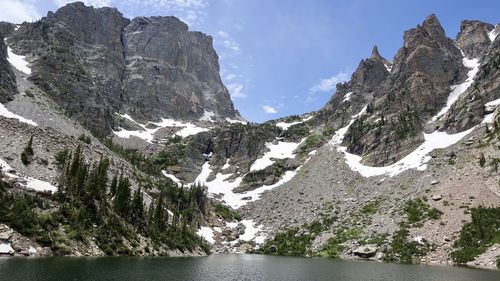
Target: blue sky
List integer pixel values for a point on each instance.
(284, 57)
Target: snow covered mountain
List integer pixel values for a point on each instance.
(393, 159)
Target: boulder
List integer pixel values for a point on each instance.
(5, 232)
(245, 247)
(436, 197)
(366, 251)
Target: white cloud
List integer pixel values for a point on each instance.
(17, 11)
(236, 90)
(222, 34)
(269, 109)
(230, 44)
(230, 77)
(225, 40)
(328, 84)
(95, 3)
(189, 11)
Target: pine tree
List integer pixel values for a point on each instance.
(151, 219)
(114, 184)
(27, 153)
(482, 160)
(160, 217)
(137, 208)
(122, 198)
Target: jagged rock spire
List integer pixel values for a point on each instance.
(376, 56)
(432, 25)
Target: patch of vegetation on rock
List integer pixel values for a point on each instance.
(334, 245)
(417, 210)
(227, 213)
(267, 176)
(477, 235)
(404, 250)
(27, 154)
(293, 241)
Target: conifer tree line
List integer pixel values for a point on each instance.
(175, 212)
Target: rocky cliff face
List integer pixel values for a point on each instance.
(94, 63)
(418, 85)
(7, 79)
(473, 38)
(351, 96)
(171, 71)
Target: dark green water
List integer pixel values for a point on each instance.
(228, 267)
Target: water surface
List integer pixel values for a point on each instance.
(229, 267)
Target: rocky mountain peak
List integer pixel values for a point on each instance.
(370, 72)
(430, 30)
(432, 26)
(473, 37)
(95, 63)
(164, 47)
(376, 56)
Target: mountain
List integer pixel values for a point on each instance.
(95, 63)
(401, 164)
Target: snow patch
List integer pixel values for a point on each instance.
(493, 103)
(347, 97)
(232, 224)
(207, 233)
(39, 185)
(226, 166)
(285, 125)
(172, 177)
(208, 116)
(31, 183)
(222, 186)
(19, 62)
(415, 160)
(459, 89)
(493, 34)
(489, 118)
(147, 134)
(388, 67)
(280, 150)
(8, 114)
(250, 230)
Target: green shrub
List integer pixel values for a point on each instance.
(477, 235)
(312, 142)
(84, 138)
(417, 210)
(227, 213)
(27, 153)
(405, 251)
(287, 243)
(371, 207)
